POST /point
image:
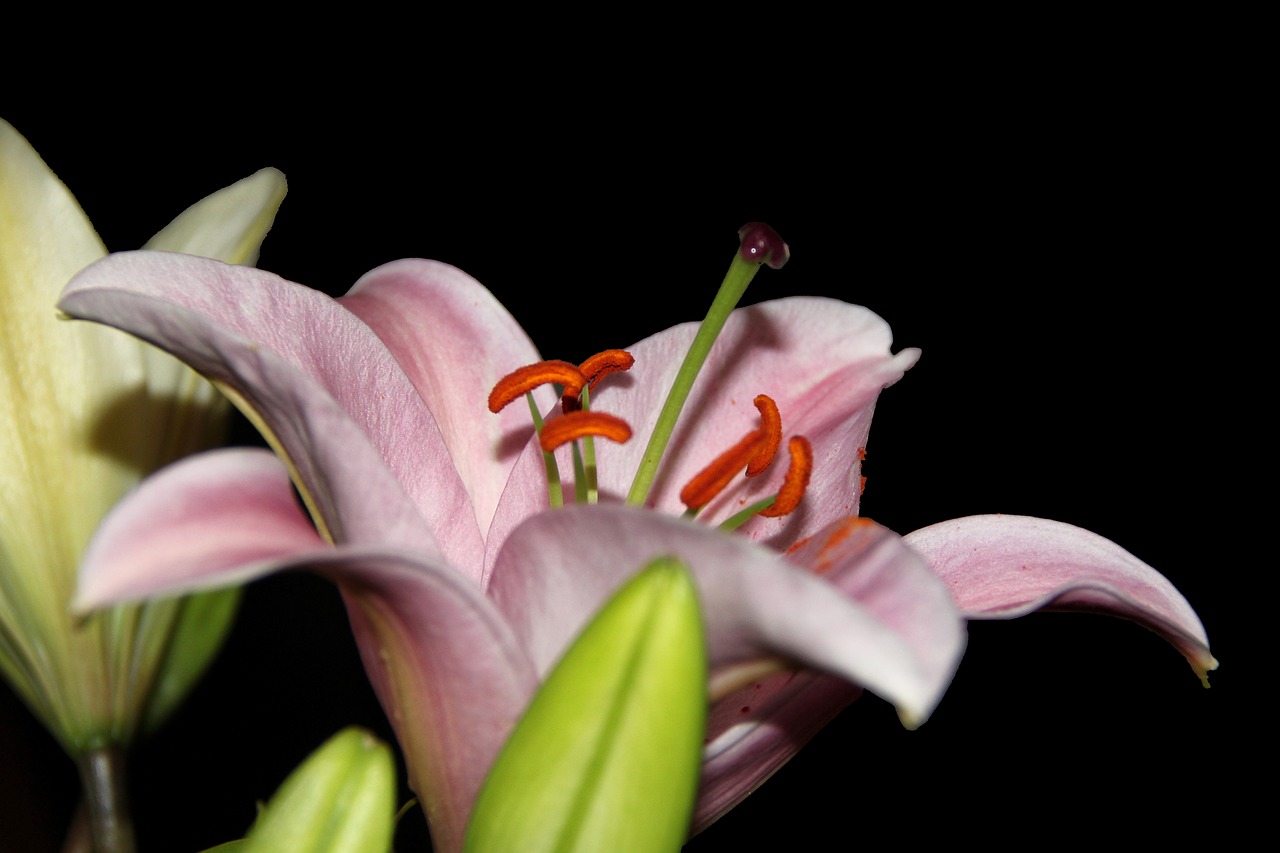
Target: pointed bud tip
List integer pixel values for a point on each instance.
(762, 245)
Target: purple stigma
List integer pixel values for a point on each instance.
(762, 245)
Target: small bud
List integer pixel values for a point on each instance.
(342, 798)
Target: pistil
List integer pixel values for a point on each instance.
(758, 243)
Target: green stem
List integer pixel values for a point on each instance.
(102, 777)
(731, 289)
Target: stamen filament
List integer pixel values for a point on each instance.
(555, 492)
(711, 481)
(757, 243)
(581, 492)
(741, 517)
(797, 479)
(583, 424)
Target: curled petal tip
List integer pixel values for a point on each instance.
(1203, 668)
(762, 245)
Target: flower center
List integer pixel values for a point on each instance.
(578, 426)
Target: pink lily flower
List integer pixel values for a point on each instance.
(432, 512)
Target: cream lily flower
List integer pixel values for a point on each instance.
(85, 414)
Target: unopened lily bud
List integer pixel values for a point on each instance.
(341, 799)
(607, 755)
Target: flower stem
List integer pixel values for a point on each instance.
(740, 273)
(102, 777)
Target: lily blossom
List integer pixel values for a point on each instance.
(85, 414)
(433, 514)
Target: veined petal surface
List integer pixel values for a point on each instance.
(445, 664)
(88, 412)
(824, 362)
(852, 602)
(367, 453)
(1002, 566)
(228, 225)
(455, 341)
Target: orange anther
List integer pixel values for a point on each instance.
(575, 425)
(710, 481)
(601, 364)
(797, 479)
(771, 426)
(595, 368)
(517, 384)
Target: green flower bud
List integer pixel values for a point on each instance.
(607, 755)
(340, 800)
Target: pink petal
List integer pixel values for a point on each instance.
(1002, 566)
(824, 362)
(366, 449)
(443, 661)
(170, 534)
(447, 668)
(754, 731)
(455, 341)
(876, 618)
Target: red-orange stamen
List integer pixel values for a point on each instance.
(771, 426)
(601, 364)
(576, 425)
(710, 481)
(797, 479)
(520, 382)
(595, 368)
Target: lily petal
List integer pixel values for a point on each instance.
(1003, 566)
(824, 362)
(878, 618)
(229, 225)
(454, 341)
(367, 454)
(89, 412)
(427, 635)
(170, 534)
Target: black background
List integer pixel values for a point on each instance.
(1054, 226)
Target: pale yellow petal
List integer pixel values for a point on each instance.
(85, 413)
(228, 225)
